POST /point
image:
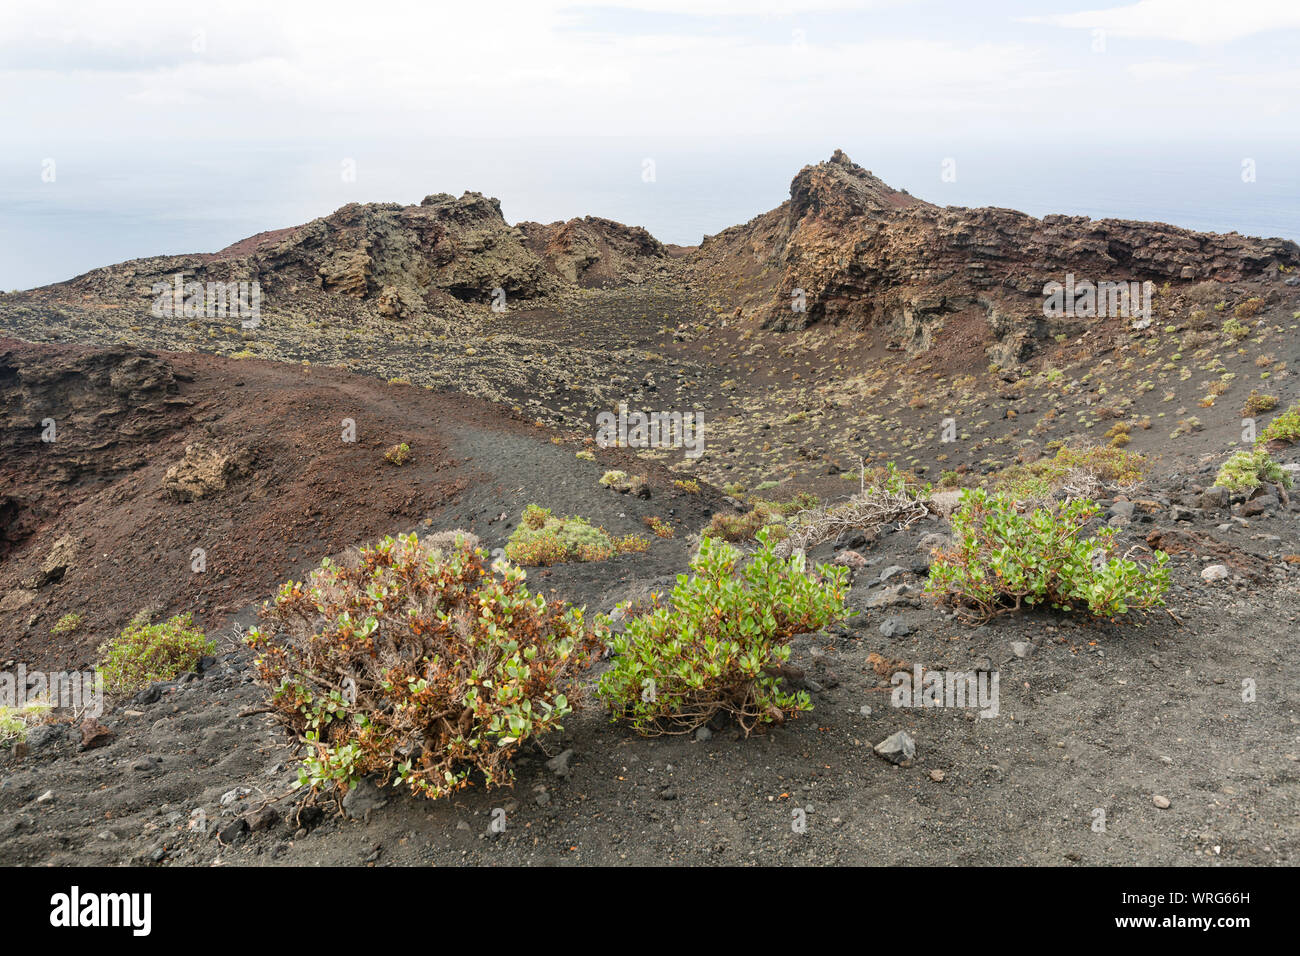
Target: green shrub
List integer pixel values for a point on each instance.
(543, 539)
(1284, 428)
(1258, 402)
(718, 646)
(1247, 470)
(66, 624)
(1039, 480)
(1107, 463)
(398, 454)
(145, 653)
(418, 666)
(802, 501)
(1001, 559)
(14, 721)
(1235, 330)
(743, 527)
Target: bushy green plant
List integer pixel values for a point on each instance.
(66, 625)
(719, 643)
(398, 454)
(1001, 559)
(1247, 470)
(418, 666)
(543, 539)
(1284, 428)
(1258, 402)
(144, 653)
(1235, 330)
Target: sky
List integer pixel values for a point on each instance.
(115, 115)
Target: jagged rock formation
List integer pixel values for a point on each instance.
(404, 260)
(847, 248)
(594, 252)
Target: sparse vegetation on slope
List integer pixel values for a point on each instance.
(144, 653)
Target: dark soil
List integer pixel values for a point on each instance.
(1097, 717)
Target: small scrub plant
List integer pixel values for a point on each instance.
(1235, 330)
(1119, 434)
(543, 539)
(1247, 470)
(802, 501)
(1257, 403)
(624, 483)
(1284, 429)
(661, 528)
(1249, 309)
(418, 666)
(15, 721)
(145, 653)
(398, 454)
(1074, 465)
(1001, 560)
(67, 624)
(1109, 464)
(631, 544)
(950, 479)
(688, 485)
(584, 455)
(743, 527)
(719, 644)
(1023, 483)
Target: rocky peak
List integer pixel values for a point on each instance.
(470, 208)
(839, 189)
(849, 249)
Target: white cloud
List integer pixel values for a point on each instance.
(1202, 22)
(1161, 70)
(307, 69)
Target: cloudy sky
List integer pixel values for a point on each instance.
(159, 69)
(85, 80)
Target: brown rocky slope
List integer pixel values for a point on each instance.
(867, 255)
